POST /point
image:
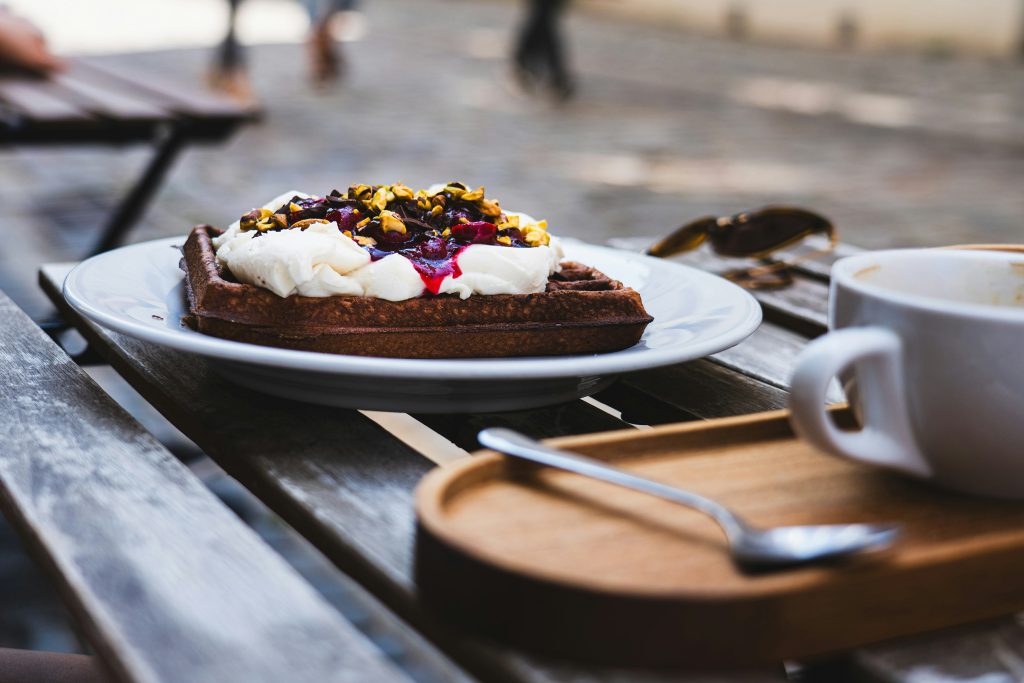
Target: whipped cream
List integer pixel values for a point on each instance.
(321, 261)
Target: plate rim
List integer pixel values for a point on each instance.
(481, 369)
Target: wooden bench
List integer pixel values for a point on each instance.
(167, 583)
(344, 479)
(92, 103)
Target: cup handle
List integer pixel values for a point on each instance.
(886, 438)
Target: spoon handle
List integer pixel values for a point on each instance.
(520, 446)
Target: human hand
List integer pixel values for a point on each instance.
(22, 44)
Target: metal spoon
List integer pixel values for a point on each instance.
(751, 547)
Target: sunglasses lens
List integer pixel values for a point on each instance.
(686, 238)
(759, 232)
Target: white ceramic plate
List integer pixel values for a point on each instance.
(138, 291)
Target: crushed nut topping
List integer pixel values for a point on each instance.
(395, 218)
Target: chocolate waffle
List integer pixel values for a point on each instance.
(582, 311)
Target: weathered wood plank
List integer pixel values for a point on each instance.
(186, 101)
(982, 652)
(818, 267)
(104, 99)
(801, 307)
(704, 390)
(41, 101)
(341, 480)
(168, 583)
(768, 355)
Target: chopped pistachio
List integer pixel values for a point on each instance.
(536, 234)
(390, 222)
(455, 189)
(489, 208)
(474, 195)
(363, 223)
(537, 239)
(293, 207)
(437, 210)
(505, 239)
(508, 222)
(360, 191)
(401, 191)
(303, 224)
(380, 199)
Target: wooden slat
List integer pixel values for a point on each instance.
(818, 267)
(991, 651)
(768, 355)
(337, 477)
(702, 390)
(92, 104)
(113, 101)
(168, 583)
(41, 101)
(186, 101)
(705, 390)
(801, 307)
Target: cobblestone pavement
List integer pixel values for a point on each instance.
(899, 150)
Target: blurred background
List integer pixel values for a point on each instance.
(901, 121)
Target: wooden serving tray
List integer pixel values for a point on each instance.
(569, 566)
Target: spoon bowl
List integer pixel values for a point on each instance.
(787, 545)
(751, 548)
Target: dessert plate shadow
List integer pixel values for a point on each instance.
(138, 291)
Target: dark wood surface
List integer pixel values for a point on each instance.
(801, 307)
(167, 582)
(346, 483)
(92, 103)
(341, 480)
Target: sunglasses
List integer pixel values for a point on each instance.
(752, 234)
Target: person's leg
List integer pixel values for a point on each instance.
(326, 62)
(26, 666)
(528, 58)
(228, 73)
(553, 49)
(230, 55)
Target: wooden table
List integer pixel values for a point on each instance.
(92, 103)
(344, 480)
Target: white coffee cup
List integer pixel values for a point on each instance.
(935, 339)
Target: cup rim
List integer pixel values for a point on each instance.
(844, 272)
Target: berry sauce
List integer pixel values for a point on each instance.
(434, 259)
(429, 229)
